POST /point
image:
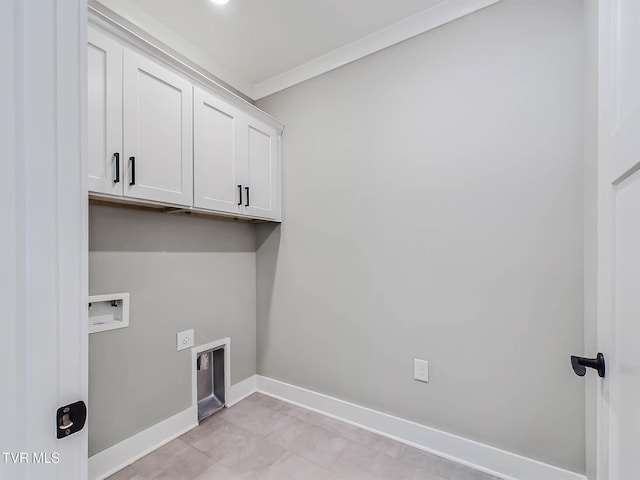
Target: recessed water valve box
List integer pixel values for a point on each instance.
(108, 312)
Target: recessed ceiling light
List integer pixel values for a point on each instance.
(220, 2)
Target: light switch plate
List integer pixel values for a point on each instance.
(185, 339)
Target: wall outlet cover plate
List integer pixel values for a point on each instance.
(185, 339)
(420, 370)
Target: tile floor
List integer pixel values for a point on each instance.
(267, 439)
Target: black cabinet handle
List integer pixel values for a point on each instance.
(133, 170)
(247, 189)
(116, 158)
(579, 364)
(240, 194)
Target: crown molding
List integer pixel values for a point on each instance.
(154, 32)
(444, 12)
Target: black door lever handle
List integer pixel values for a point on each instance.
(579, 364)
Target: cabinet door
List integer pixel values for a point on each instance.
(157, 132)
(216, 154)
(263, 170)
(104, 59)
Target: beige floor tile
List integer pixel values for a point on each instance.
(372, 440)
(324, 452)
(426, 461)
(241, 407)
(152, 465)
(266, 401)
(127, 473)
(311, 442)
(280, 406)
(226, 439)
(218, 472)
(261, 420)
(273, 403)
(291, 467)
(309, 416)
(207, 427)
(290, 435)
(355, 461)
(190, 463)
(255, 397)
(262, 438)
(388, 467)
(259, 453)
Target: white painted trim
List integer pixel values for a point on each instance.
(435, 16)
(115, 458)
(195, 351)
(485, 458)
(241, 390)
(443, 12)
(43, 284)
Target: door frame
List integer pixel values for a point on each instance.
(613, 168)
(599, 243)
(45, 239)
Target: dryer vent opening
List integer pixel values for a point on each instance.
(210, 378)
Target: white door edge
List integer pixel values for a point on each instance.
(43, 118)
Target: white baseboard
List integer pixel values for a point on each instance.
(115, 458)
(485, 458)
(241, 390)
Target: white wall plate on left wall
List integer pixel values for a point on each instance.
(108, 312)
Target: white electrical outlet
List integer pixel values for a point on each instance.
(420, 370)
(185, 339)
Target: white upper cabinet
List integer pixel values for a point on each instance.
(157, 132)
(217, 157)
(236, 160)
(155, 138)
(262, 178)
(104, 59)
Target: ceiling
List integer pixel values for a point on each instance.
(262, 46)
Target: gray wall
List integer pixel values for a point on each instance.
(432, 208)
(181, 273)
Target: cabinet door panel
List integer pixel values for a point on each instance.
(104, 115)
(157, 132)
(217, 165)
(263, 170)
